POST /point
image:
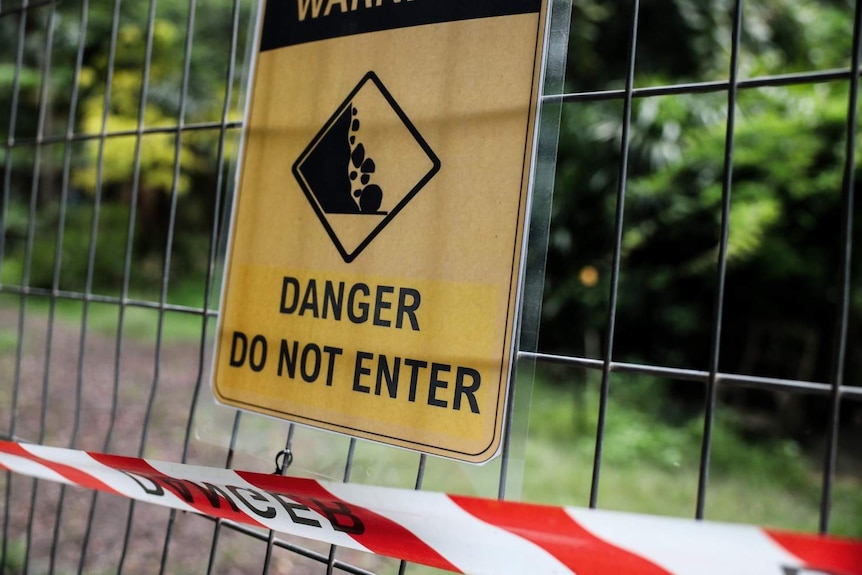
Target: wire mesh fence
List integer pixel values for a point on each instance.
(120, 127)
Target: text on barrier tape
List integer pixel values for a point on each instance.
(460, 534)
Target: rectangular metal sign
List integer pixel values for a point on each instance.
(376, 241)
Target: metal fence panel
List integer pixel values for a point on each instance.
(108, 301)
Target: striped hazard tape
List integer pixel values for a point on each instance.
(461, 534)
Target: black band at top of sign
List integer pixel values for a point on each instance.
(291, 22)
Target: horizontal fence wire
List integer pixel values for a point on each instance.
(143, 131)
(718, 86)
(699, 376)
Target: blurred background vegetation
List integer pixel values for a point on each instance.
(783, 286)
(105, 176)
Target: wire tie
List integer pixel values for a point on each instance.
(283, 459)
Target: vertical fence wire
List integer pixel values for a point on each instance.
(721, 274)
(166, 274)
(348, 470)
(7, 186)
(220, 187)
(219, 522)
(219, 192)
(847, 191)
(132, 219)
(625, 142)
(420, 478)
(280, 470)
(127, 269)
(58, 257)
(44, 89)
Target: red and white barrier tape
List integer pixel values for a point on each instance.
(461, 534)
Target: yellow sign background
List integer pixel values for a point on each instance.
(468, 88)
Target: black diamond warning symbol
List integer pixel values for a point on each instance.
(363, 166)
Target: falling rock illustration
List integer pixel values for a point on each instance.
(363, 166)
(341, 172)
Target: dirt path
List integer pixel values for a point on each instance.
(67, 381)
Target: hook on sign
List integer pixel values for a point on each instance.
(283, 459)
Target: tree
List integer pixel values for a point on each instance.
(103, 170)
(780, 304)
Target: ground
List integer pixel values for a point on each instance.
(84, 383)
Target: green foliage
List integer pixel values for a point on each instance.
(784, 156)
(138, 324)
(644, 428)
(157, 152)
(110, 249)
(8, 340)
(651, 454)
(28, 78)
(106, 169)
(786, 181)
(16, 553)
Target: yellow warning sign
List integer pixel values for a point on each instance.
(376, 239)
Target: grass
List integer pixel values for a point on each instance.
(8, 340)
(138, 323)
(15, 556)
(650, 464)
(141, 324)
(650, 459)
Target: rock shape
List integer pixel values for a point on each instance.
(348, 190)
(341, 177)
(368, 197)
